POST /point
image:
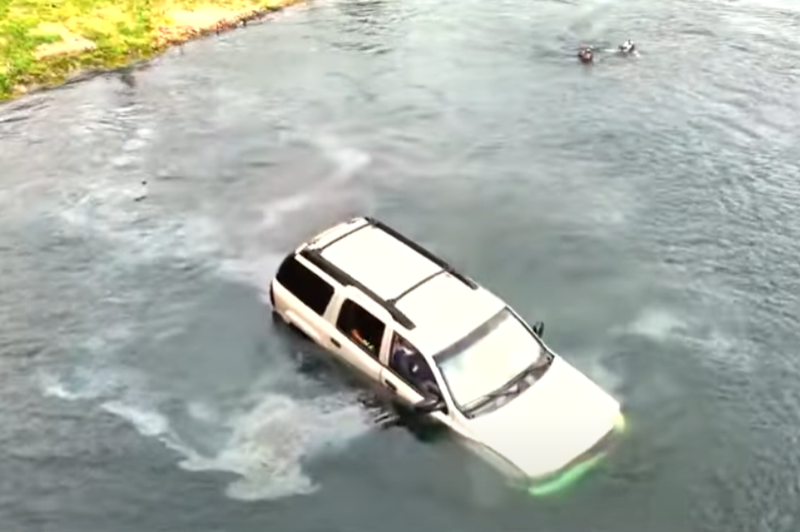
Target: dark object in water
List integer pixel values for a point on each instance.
(586, 55)
(143, 194)
(628, 47)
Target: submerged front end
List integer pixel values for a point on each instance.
(567, 476)
(554, 432)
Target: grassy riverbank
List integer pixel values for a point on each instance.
(44, 41)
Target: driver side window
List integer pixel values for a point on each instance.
(408, 364)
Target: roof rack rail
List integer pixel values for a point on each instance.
(315, 257)
(424, 252)
(413, 287)
(343, 235)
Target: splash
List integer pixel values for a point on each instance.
(147, 422)
(265, 439)
(268, 444)
(88, 383)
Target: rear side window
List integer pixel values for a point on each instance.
(364, 329)
(305, 285)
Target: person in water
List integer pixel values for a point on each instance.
(628, 47)
(586, 55)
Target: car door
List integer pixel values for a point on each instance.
(359, 334)
(392, 375)
(391, 380)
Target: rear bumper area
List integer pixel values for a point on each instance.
(581, 466)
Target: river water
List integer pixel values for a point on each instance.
(646, 209)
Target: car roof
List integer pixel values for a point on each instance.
(445, 310)
(433, 304)
(381, 262)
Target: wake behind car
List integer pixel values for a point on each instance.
(439, 343)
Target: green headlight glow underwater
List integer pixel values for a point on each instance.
(565, 478)
(620, 424)
(570, 476)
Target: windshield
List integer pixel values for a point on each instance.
(488, 358)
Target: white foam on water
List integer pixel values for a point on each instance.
(348, 160)
(90, 383)
(267, 437)
(255, 262)
(703, 336)
(726, 351)
(201, 411)
(277, 211)
(137, 233)
(656, 324)
(53, 387)
(257, 271)
(263, 436)
(147, 422)
(106, 204)
(143, 232)
(269, 442)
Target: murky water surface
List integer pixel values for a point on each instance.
(645, 209)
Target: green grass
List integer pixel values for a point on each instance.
(121, 30)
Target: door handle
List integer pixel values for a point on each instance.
(390, 385)
(335, 342)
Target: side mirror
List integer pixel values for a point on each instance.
(538, 328)
(429, 404)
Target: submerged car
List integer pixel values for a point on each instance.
(443, 346)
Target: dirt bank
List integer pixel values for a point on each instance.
(42, 42)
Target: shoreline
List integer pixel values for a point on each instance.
(44, 44)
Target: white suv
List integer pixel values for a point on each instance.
(447, 348)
